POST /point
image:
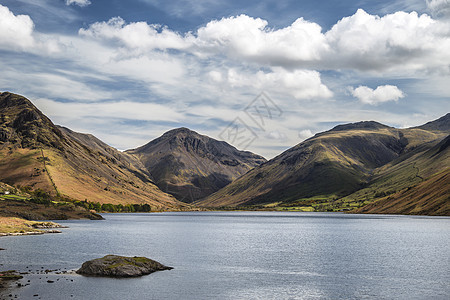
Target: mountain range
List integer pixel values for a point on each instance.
(364, 167)
(35, 153)
(180, 164)
(349, 167)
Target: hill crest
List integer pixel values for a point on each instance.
(190, 165)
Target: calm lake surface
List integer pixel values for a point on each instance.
(243, 255)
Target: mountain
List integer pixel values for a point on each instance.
(441, 124)
(191, 166)
(323, 171)
(37, 154)
(418, 184)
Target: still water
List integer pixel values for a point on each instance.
(243, 255)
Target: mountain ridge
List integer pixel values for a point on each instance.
(190, 165)
(36, 153)
(347, 167)
(330, 166)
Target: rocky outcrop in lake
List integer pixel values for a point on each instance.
(121, 266)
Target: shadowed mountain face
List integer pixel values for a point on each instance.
(331, 165)
(36, 153)
(441, 124)
(191, 166)
(23, 125)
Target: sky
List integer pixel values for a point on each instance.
(262, 75)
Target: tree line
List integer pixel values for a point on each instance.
(42, 197)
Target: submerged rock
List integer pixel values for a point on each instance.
(121, 266)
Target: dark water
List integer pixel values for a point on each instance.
(244, 255)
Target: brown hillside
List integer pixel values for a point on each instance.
(329, 166)
(36, 153)
(431, 197)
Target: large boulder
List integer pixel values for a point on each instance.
(121, 266)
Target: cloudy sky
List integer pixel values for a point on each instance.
(263, 75)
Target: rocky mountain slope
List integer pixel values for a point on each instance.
(335, 164)
(191, 166)
(36, 153)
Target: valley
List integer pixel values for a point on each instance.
(363, 167)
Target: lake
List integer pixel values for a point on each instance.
(243, 255)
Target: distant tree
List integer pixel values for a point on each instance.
(97, 207)
(146, 208)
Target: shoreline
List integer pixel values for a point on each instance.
(13, 226)
(13, 281)
(30, 233)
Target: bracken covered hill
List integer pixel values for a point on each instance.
(353, 163)
(36, 153)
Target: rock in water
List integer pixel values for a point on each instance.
(121, 266)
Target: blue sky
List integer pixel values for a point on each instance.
(127, 71)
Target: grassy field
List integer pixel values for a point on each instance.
(17, 225)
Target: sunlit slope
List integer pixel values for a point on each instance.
(329, 166)
(36, 153)
(418, 185)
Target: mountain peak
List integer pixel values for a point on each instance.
(360, 125)
(9, 100)
(180, 131)
(36, 153)
(190, 165)
(21, 123)
(441, 124)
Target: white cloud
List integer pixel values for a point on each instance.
(439, 8)
(404, 41)
(251, 38)
(17, 34)
(400, 42)
(80, 3)
(300, 84)
(15, 31)
(138, 35)
(203, 79)
(396, 42)
(382, 93)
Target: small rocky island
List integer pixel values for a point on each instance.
(121, 266)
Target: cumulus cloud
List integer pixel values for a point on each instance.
(382, 93)
(15, 31)
(398, 42)
(251, 38)
(395, 41)
(208, 75)
(301, 84)
(17, 34)
(137, 35)
(80, 3)
(439, 8)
